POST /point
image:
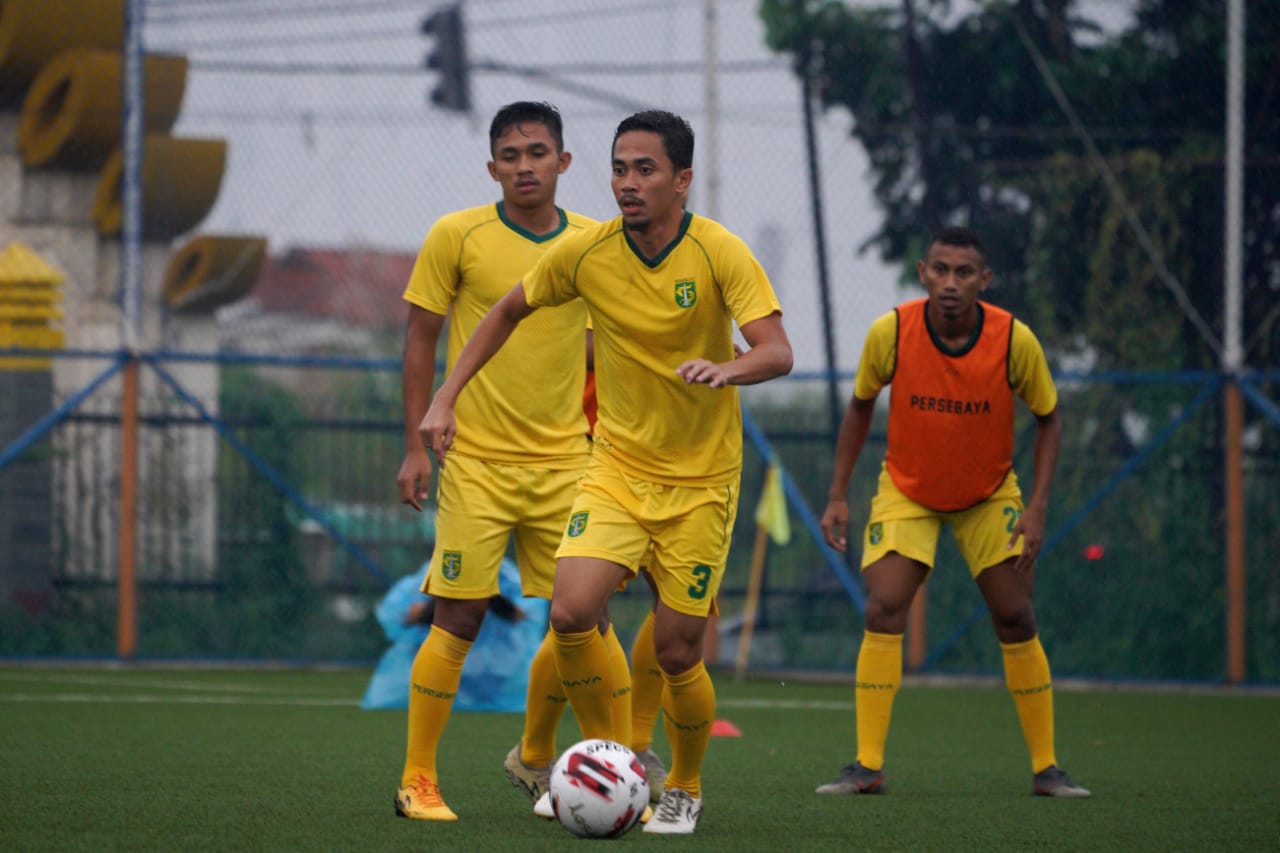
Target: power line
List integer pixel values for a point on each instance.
(411, 69)
(308, 10)
(236, 66)
(346, 35)
(597, 13)
(396, 116)
(294, 39)
(343, 69)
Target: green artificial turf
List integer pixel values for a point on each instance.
(167, 759)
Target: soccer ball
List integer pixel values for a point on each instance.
(599, 789)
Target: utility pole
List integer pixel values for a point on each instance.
(1233, 349)
(820, 240)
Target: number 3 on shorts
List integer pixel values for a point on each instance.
(702, 577)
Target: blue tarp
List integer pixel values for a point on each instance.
(496, 674)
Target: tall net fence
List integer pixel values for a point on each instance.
(269, 433)
(306, 537)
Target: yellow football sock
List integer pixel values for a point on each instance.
(876, 683)
(582, 660)
(620, 701)
(543, 707)
(690, 705)
(433, 684)
(646, 686)
(1026, 673)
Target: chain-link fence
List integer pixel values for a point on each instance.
(273, 260)
(307, 533)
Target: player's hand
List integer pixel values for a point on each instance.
(437, 429)
(413, 479)
(835, 520)
(703, 372)
(1030, 526)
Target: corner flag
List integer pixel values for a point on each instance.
(771, 512)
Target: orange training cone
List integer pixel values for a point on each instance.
(724, 728)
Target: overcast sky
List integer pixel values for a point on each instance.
(343, 149)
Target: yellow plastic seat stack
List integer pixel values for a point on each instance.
(30, 307)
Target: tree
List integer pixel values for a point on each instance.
(961, 126)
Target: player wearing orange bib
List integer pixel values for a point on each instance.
(956, 364)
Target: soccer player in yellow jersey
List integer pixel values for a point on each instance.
(664, 288)
(955, 364)
(524, 447)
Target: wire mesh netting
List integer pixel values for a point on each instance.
(270, 432)
(1131, 582)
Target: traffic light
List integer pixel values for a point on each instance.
(449, 57)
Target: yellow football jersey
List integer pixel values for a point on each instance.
(525, 404)
(650, 315)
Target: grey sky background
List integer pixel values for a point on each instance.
(333, 143)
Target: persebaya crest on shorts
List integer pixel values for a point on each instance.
(875, 533)
(578, 523)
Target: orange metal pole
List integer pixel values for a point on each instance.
(1236, 586)
(127, 613)
(917, 642)
(749, 607)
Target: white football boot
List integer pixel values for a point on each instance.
(677, 813)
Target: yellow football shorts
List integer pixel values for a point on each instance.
(618, 518)
(899, 524)
(480, 506)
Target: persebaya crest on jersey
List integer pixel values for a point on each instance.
(451, 564)
(686, 293)
(578, 523)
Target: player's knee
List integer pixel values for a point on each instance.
(675, 657)
(568, 619)
(460, 617)
(1015, 625)
(885, 616)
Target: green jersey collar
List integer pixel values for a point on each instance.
(529, 235)
(661, 256)
(964, 348)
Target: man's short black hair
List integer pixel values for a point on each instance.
(956, 235)
(520, 112)
(677, 136)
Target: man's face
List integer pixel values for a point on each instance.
(953, 276)
(646, 184)
(527, 164)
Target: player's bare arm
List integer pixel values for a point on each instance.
(769, 356)
(439, 425)
(1031, 524)
(853, 435)
(418, 371)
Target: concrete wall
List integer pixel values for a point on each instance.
(51, 212)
